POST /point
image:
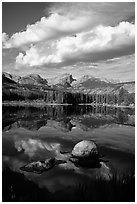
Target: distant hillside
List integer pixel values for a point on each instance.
(88, 81)
(7, 79)
(31, 87)
(129, 86)
(65, 89)
(86, 84)
(14, 78)
(33, 79)
(29, 79)
(91, 85)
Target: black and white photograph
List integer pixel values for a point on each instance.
(68, 101)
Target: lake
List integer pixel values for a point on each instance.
(35, 134)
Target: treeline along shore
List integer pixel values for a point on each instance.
(36, 90)
(123, 99)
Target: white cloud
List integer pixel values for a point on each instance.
(34, 57)
(48, 47)
(99, 43)
(70, 18)
(98, 10)
(101, 39)
(46, 29)
(5, 38)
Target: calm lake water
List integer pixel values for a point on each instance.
(32, 134)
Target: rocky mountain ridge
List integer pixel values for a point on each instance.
(86, 84)
(66, 90)
(34, 79)
(64, 79)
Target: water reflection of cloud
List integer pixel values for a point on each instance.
(31, 146)
(12, 162)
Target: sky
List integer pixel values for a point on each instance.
(81, 38)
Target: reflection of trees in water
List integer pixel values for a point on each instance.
(33, 118)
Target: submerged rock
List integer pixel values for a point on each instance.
(41, 166)
(85, 148)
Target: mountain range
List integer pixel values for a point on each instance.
(86, 84)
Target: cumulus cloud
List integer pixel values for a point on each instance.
(34, 57)
(46, 29)
(70, 18)
(5, 38)
(99, 11)
(73, 36)
(97, 42)
(102, 42)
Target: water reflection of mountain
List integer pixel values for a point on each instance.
(65, 117)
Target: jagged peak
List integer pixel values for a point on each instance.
(65, 78)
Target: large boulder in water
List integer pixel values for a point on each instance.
(84, 149)
(85, 154)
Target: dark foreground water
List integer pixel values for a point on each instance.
(33, 134)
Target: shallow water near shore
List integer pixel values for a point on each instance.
(35, 134)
